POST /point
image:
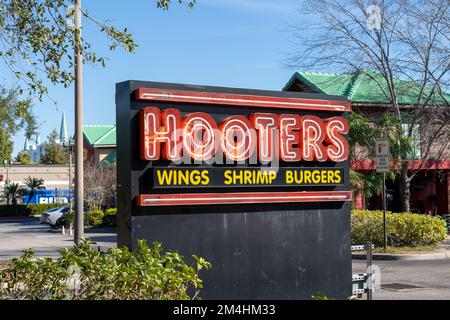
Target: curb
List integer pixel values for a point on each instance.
(437, 255)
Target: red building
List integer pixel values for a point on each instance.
(430, 188)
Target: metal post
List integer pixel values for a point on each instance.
(384, 212)
(369, 271)
(70, 180)
(79, 205)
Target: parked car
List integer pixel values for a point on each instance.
(53, 216)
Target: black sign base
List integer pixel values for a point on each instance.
(295, 252)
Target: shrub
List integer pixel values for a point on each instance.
(403, 229)
(68, 219)
(36, 209)
(110, 217)
(83, 273)
(24, 210)
(93, 218)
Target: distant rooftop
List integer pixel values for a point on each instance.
(365, 86)
(100, 135)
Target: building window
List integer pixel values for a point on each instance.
(414, 153)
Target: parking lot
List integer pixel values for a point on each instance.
(16, 236)
(409, 280)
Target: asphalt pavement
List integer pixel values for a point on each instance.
(15, 236)
(410, 280)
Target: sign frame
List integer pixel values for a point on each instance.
(246, 233)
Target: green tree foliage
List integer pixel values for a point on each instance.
(81, 273)
(364, 134)
(33, 184)
(164, 4)
(37, 43)
(6, 146)
(13, 192)
(15, 114)
(54, 152)
(38, 40)
(23, 157)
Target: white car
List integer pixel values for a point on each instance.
(54, 215)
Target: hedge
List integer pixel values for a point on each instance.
(82, 273)
(24, 210)
(110, 217)
(403, 229)
(94, 218)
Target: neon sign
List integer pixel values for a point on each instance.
(165, 134)
(243, 146)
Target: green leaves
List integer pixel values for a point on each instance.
(83, 273)
(404, 229)
(15, 115)
(38, 42)
(54, 152)
(164, 4)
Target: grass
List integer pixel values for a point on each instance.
(406, 250)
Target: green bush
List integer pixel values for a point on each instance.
(68, 219)
(110, 217)
(36, 209)
(93, 218)
(82, 273)
(403, 229)
(23, 210)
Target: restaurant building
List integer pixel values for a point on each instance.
(100, 143)
(430, 188)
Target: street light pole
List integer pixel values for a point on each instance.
(79, 196)
(69, 145)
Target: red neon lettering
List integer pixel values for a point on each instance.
(199, 136)
(336, 128)
(238, 138)
(160, 127)
(290, 125)
(313, 134)
(266, 124)
(307, 138)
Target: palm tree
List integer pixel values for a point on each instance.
(369, 185)
(33, 184)
(13, 192)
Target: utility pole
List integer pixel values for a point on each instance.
(69, 145)
(79, 183)
(383, 160)
(384, 212)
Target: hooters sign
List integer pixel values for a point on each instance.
(251, 180)
(244, 148)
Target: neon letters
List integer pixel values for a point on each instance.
(288, 137)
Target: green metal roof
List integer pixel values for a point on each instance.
(110, 158)
(98, 135)
(362, 87)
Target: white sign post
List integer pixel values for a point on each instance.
(382, 156)
(383, 163)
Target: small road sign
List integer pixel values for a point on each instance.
(382, 156)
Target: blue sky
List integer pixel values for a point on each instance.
(237, 43)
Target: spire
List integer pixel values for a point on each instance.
(63, 131)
